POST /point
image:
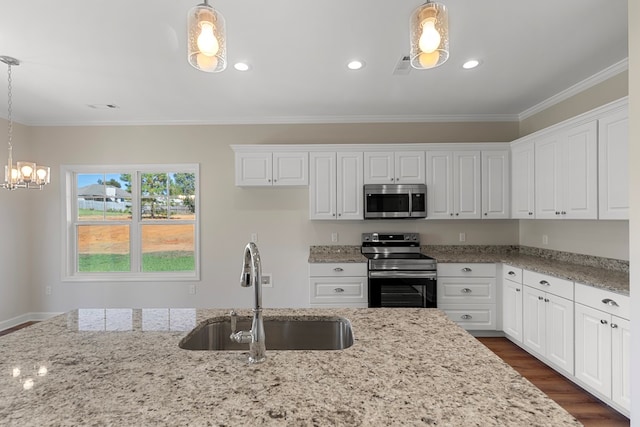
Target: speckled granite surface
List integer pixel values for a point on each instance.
(124, 368)
(604, 273)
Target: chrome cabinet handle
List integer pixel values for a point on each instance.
(540, 298)
(466, 269)
(604, 322)
(338, 269)
(465, 290)
(466, 316)
(269, 180)
(530, 213)
(610, 302)
(517, 289)
(614, 326)
(339, 214)
(546, 300)
(545, 283)
(457, 214)
(511, 273)
(338, 290)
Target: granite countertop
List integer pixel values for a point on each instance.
(614, 279)
(124, 367)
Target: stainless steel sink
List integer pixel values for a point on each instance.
(282, 333)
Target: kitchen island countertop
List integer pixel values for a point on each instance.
(124, 367)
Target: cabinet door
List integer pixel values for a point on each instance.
(613, 165)
(322, 189)
(522, 181)
(410, 167)
(350, 197)
(559, 332)
(580, 173)
(466, 184)
(495, 184)
(512, 309)
(253, 169)
(379, 167)
(533, 320)
(290, 168)
(621, 362)
(548, 187)
(593, 348)
(439, 185)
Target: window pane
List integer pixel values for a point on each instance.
(154, 192)
(103, 197)
(182, 195)
(168, 247)
(103, 248)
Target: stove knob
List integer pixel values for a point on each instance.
(415, 237)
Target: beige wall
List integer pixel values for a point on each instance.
(607, 91)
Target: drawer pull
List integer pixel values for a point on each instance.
(604, 322)
(338, 269)
(614, 325)
(546, 300)
(540, 298)
(338, 290)
(466, 316)
(511, 273)
(517, 289)
(465, 290)
(545, 283)
(610, 302)
(466, 270)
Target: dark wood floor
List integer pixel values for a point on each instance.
(587, 409)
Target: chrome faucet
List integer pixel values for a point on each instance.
(252, 275)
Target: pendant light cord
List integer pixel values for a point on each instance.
(10, 109)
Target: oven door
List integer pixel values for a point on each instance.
(402, 289)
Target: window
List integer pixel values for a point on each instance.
(131, 222)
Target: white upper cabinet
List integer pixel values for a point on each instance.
(336, 187)
(523, 194)
(495, 184)
(272, 168)
(388, 167)
(566, 169)
(613, 165)
(453, 184)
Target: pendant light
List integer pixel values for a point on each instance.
(21, 174)
(429, 33)
(206, 38)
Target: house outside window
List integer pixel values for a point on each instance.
(135, 222)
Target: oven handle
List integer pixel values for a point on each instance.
(403, 274)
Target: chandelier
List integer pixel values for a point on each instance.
(429, 33)
(206, 50)
(21, 174)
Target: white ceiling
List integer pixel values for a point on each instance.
(133, 54)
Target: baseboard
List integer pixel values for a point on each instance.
(27, 317)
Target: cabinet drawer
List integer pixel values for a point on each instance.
(459, 269)
(512, 273)
(331, 290)
(342, 269)
(600, 299)
(560, 287)
(472, 316)
(466, 290)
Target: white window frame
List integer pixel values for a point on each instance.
(69, 187)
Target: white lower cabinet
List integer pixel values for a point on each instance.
(548, 319)
(602, 344)
(338, 285)
(512, 302)
(467, 294)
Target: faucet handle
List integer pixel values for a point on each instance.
(234, 318)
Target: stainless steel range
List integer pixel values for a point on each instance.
(399, 275)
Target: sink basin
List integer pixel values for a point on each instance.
(282, 333)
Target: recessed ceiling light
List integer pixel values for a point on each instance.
(472, 63)
(241, 66)
(356, 64)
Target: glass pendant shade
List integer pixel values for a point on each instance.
(429, 33)
(206, 38)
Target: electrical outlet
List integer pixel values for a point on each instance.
(334, 237)
(463, 237)
(545, 239)
(192, 289)
(254, 237)
(47, 290)
(266, 281)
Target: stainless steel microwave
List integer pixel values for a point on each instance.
(395, 201)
